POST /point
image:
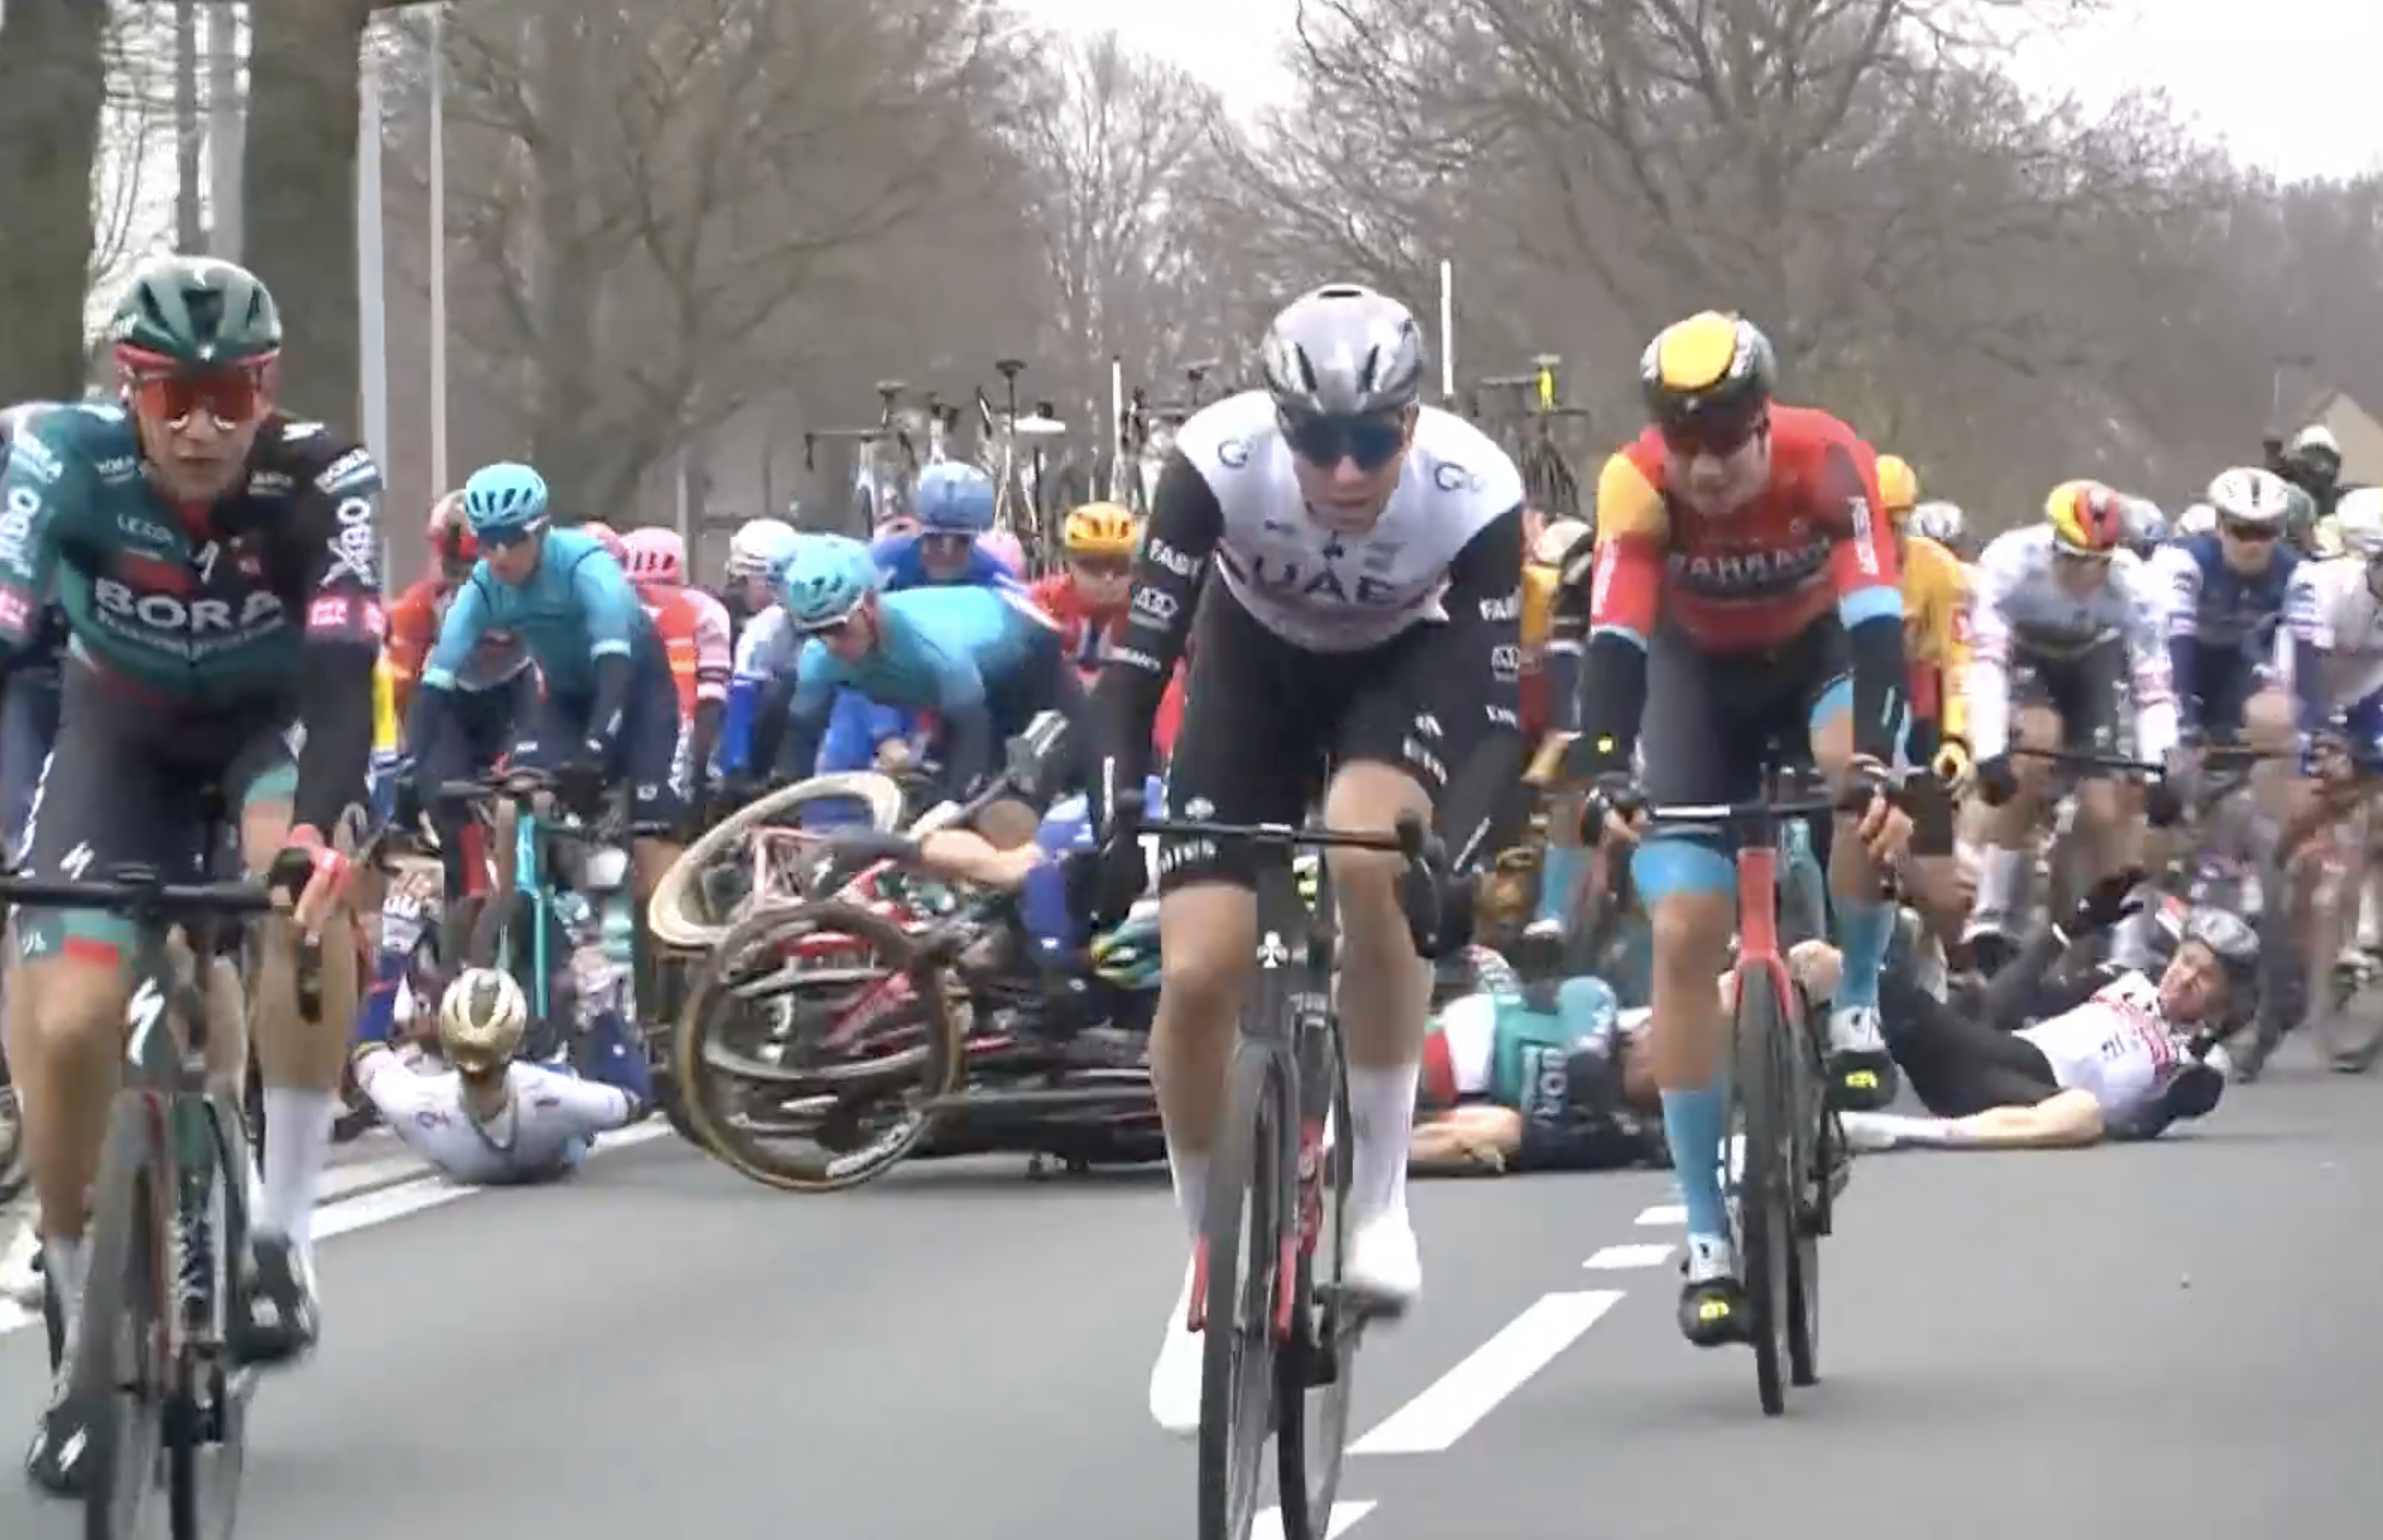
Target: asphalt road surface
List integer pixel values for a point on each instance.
(2176, 1341)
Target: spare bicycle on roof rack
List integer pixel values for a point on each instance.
(1521, 412)
(1146, 432)
(906, 435)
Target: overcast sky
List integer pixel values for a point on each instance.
(2286, 84)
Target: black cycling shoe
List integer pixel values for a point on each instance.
(55, 1460)
(274, 1318)
(1713, 1312)
(1861, 1079)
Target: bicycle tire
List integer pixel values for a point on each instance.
(1248, 1169)
(1308, 1462)
(1813, 1133)
(123, 1434)
(1764, 1210)
(205, 1465)
(704, 1109)
(667, 917)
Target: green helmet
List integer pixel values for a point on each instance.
(196, 310)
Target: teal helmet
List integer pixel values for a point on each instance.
(825, 579)
(503, 499)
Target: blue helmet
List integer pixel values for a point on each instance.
(503, 498)
(955, 499)
(826, 579)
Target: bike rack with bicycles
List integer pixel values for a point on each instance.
(1528, 408)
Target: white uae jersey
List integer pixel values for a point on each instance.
(2329, 609)
(2116, 1046)
(2020, 606)
(1341, 590)
(550, 1121)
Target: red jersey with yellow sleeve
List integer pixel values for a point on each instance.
(1744, 584)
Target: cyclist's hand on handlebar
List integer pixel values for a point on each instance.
(1998, 783)
(1121, 873)
(895, 756)
(1884, 829)
(1952, 766)
(309, 875)
(579, 782)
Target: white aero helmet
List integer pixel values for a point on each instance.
(2249, 494)
(760, 547)
(2317, 438)
(1557, 540)
(2358, 522)
(2199, 519)
(481, 1020)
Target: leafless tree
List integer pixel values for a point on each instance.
(664, 210)
(53, 78)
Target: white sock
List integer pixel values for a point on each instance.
(297, 1138)
(62, 1258)
(1381, 1126)
(1998, 883)
(1874, 1131)
(1190, 1174)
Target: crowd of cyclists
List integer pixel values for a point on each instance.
(1338, 603)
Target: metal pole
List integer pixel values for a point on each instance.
(224, 129)
(439, 250)
(371, 318)
(190, 227)
(1116, 424)
(1448, 332)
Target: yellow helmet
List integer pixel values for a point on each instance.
(2086, 518)
(481, 1020)
(1101, 529)
(1897, 486)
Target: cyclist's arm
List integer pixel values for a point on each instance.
(2154, 695)
(968, 723)
(340, 599)
(1989, 692)
(1484, 642)
(586, 1107)
(613, 614)
(1954, 672)
(2177, 577)
(764, 649)
(1869, 598)
(789, 734)
(1619, 584)
(2307, 635)
(711, 674)
(39, 489)
(1186, 521)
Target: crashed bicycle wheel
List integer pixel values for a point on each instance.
(814, 1046)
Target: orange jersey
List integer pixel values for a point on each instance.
(1750, 581)
(694, 629)
(1083, 640)
(414, 629)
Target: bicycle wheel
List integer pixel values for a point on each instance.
(1318, 1375)
(1813, 1133)
(675, 913)
(206, 1421)
(1764, 1209)
(118, 1381)
(1249, 1177)
(814, 1095)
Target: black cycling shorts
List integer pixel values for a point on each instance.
(2091, 692)
(650, 753)
(132, 781)
(476, 729)
(1715, 722)
(1265, 721)
(1959, 1067)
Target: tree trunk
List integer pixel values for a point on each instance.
(299, 178)
(53, 79)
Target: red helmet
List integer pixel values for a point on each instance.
(607, 537)
(656, 555)
(453, 544)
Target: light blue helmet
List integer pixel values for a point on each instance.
(955, 499)
(503, 499)
(826, 579)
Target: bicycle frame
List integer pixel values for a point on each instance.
(529, 880)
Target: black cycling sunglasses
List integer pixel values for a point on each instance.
(1371, 439)
(2258, 533)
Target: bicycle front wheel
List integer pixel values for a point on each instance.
(1763, 1088)
(119, 1385)
(1245, 1234)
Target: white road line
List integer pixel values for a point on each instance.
(340, 1216)
(1665, 1214)
(1618, 1259)
(1452, 1405)
(1343, 1515)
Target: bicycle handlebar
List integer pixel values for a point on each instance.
(139, 892)
(1420, 898)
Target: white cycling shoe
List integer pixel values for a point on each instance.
(1175, 1377)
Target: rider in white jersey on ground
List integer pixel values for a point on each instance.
(2064, 634)
(488, 1118)
(1369, 619)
